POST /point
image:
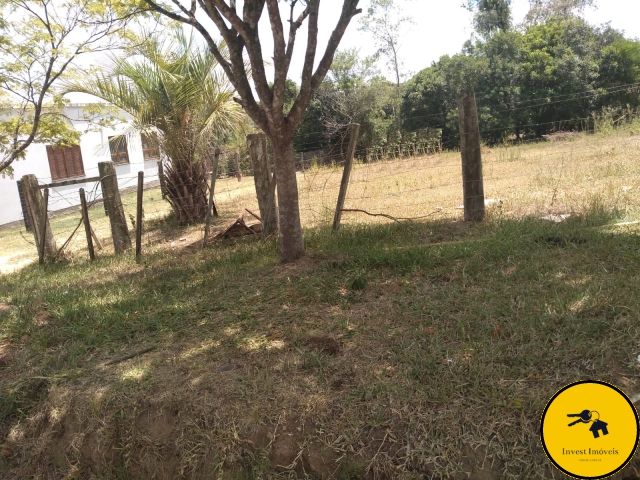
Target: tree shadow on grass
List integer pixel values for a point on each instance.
(455, 342)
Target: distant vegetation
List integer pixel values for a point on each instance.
(553, 72)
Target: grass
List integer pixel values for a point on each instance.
(451, 337)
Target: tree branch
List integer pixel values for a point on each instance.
(293, 30)
(311, 83)
(279, 58)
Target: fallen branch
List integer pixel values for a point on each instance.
(253, 215)
(239, 228)
(127, 357)
(398, 219)
(69, 240)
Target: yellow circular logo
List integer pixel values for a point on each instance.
(589, 429)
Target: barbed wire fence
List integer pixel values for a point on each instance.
(406, 182)
(524, 177)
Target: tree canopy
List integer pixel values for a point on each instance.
(40, 42)
(265, 102)
(177, 97)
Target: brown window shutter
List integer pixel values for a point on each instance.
(53, 167)
(78, 167)
(65, 162)
(68, 159)
(58, 154)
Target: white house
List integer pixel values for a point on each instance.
(52, 165)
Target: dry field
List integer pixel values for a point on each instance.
(530, 179)
(394, 350)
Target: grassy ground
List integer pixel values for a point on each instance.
(423, 349)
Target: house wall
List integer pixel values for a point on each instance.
(95, 149)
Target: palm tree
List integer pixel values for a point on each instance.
(179, 99)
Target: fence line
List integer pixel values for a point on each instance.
(399, 183)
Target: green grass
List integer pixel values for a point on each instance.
(411, 350)
(458, 335)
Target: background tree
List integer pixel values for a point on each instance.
(178, 98)
(40, 41)
(490, 15)
(386, 27)
(241, 34)
(547, 76)
(543, 10)
(352, 92)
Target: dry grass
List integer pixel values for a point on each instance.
(533, 179)
(414, 350)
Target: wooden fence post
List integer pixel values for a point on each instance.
(25, 210)
(113, 205)
(211, 209)
(87, 225)
(344, 185)
(139, 216)
(264, 182)
(238, 171)
(43, 227)
(39, 218)
(163, 186)
(470, 149)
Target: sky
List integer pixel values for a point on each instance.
(440, 27)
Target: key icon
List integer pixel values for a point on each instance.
(583, 417)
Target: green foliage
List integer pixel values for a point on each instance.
(490, 15)
(53, 129)
(516, 76)
(544, 10)
(353, 92)
(176, 94)
(386, 27)
(39, 43)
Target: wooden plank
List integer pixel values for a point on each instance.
(25, 209)
(74, 181)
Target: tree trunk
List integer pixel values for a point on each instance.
(291, 241)
(186, 184)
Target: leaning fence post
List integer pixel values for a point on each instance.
(139, 216)
(43, 227)
(87, 225)
(344, 185)
(470, 149)
(37, 211)
(25, 210)
(214, 175)
(113, 204)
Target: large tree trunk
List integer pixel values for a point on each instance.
(291, 241)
